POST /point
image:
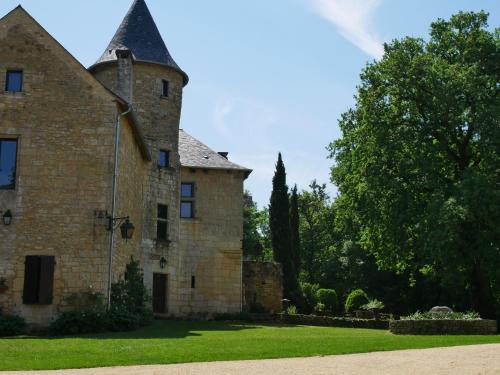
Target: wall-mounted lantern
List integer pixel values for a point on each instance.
(7, 217)
(126, 228)
(163, 262)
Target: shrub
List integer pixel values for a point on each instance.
(373, 305)
(291, 310)
(242, 316)
(309, 295)
(328, 297)
(11, 325)
(319, 308)
(89, 300)
(130, 293)
(471, 315)
(355, 300)
(79, 322)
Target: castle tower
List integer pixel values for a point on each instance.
(138, 67)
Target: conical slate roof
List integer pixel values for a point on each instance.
(139, 34)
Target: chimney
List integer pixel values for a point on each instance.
(124, 79)
(224, 154)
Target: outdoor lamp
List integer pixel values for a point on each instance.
(163, 262)
(7, 217)
(127, 229)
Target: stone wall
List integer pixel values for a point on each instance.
(327, 321)
(158, 118)
(211, 242)
(443, 327)
(64, 122)
(263, 285)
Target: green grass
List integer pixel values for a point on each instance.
(178, 341)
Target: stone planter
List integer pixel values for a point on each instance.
(443, 327)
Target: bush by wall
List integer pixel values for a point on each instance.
(355, 300)
(328, 321)
(328, 297)
(11, 325)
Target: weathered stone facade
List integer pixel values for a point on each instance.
(263, 285)
(64, 121)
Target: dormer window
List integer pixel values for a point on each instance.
(164, 88)
(14, 81)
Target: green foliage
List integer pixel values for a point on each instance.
(355, 300)
(89, 299)
(128, 310)
(294, 231)
(130, 293)
(310, 297)
(328, 297)
(292, 310)
(242, 316)
(279, 221)
(79, 322)
(320, 308)
(253, 240)
(373, 304)
(471, 315)
(317, 234)
(11, 325)
(418, 162)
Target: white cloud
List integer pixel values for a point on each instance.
(353, 19)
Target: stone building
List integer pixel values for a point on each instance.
(87, 153)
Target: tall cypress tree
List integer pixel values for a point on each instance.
(294, 231)
(279, 221)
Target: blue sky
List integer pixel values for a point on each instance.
(265, 75)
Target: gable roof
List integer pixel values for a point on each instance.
(85, 74)
(195, 154)
(139, 34)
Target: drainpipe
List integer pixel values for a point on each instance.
(113, 202)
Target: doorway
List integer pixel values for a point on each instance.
(160, 287)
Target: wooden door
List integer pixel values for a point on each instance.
(159, 293)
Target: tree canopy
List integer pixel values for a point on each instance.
(418, 165)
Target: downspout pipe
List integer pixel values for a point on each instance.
(113, 201)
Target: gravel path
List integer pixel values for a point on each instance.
(469, 360)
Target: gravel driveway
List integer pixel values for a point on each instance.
(470, 360)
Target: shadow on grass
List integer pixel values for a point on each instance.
(164, 329)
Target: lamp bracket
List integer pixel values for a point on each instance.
(115, 222)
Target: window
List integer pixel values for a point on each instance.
(38, 280)
(164, 159)
(187, 190)
(187, 201)
(8, 156)
(162, 226)
(164, 88)
(193, 282)
(14, 81)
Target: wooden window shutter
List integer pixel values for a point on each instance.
(31, 280)
(47, 265)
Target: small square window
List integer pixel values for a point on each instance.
(187, 190)
(164, 88)
(187, 211)
(14, 81)
(164, 159)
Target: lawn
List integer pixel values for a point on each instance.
(179, 341)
